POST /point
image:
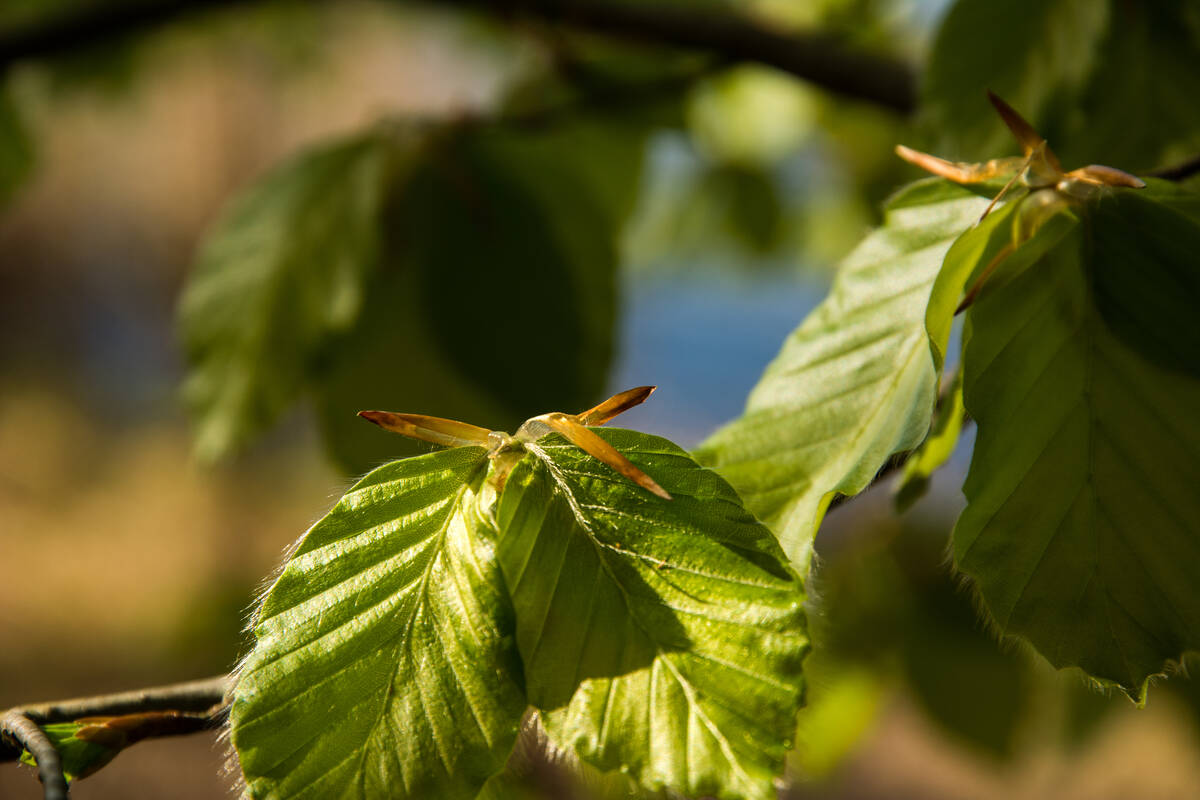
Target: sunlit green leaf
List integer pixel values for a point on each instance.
(1030, 52)
(662, 638)
(1081, 371)
(385, 664)
(282, 272)
(852, 385)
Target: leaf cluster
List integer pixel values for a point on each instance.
(398, 650)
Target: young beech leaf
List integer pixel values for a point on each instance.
(1082, 371)
(282, 272)
(385, 665)
(663, 638)
(852, 385)
(1044, 196)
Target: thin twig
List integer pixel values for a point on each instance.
(18, 732)
(97, 24)
(1178, 172)
(128, 717)
(817, 58)
(199, 695)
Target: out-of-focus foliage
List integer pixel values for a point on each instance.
(1111, 82)
(16, 149)
(894, 611)
(842, 704)
(454, 253)
(501, 243)
(1030, 52)
(1139, 108)
(282, 274)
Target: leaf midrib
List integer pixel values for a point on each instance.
(421, 600)
(561, 484)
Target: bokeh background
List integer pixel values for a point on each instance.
(126, 561)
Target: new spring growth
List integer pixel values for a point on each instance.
(452, 433)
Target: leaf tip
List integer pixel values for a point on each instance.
(653, 486)
(373, 416)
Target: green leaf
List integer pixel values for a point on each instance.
(537, 770)
(385, 664)
(971, 254)
(499, 236)
(890, 606)
(391, 360)
(934, 451)
(282, 272)
(855, 382)
(1140, 109)
(661, 638)
(80, 756)
(838, 716)
(509, 243)
(1081, 371)
(1030, 52)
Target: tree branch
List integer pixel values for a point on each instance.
(97, 24)
(817, 58)
(199, 695)
(1178, 172)
(18, 733)
(118, 720)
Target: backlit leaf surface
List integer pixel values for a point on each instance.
(662, 638)
(855, 382)
(385, 665)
